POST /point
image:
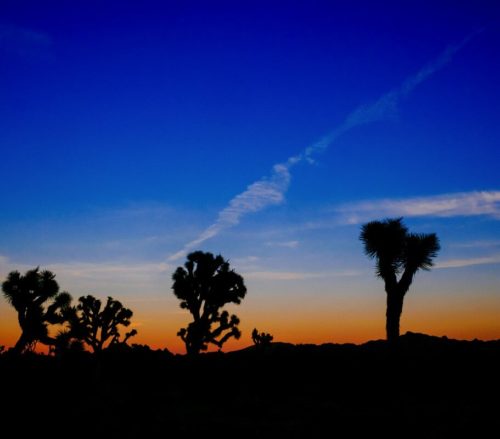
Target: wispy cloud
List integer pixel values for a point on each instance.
(113, 277)
(467, 262)
(296, 275)
(271, 190)
(245, 260)
(280, 275)
(17, 33)
(4, 264)
(285, 244)
(23, 41)
(262, 193)
(477, 244)
(446, 205)
(92, 270)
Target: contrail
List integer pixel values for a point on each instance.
(270, 190)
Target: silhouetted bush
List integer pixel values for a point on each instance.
(261, 339)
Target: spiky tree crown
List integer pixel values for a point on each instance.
(395, 249)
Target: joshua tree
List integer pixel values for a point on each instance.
(95, 327)
(398, 253)
(261, 339)
(38, 302)
(204, 285)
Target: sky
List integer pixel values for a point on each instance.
(132, 133)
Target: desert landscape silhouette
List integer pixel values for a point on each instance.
(204, 285)
(413, 385)
(249, 219)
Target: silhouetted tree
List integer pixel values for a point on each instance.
(36, 298)
(261, 339)
(397, 252)
(94, 326)
(204, 285)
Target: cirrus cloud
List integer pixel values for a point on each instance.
(474, 203)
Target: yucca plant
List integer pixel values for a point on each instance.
(204, 285)
(399, 255)
(36, 298)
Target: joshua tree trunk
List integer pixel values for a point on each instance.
(393, 314)
(194, 344)
(21, 344)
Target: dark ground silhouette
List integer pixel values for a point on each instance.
(424, 387)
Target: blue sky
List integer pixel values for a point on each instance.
(130, 131)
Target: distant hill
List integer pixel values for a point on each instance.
(415, 342)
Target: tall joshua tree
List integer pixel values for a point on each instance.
(204, 285)
(398, 253)
(38, 302)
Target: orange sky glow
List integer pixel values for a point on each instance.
(317, 323)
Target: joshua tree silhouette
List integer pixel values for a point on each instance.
(204, 285)
(95, 327)
(38, 302)
(397, 253)
(261, 339)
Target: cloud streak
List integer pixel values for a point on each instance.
(11, 35)
(24, 42)
(477, 244)
(115, 278)
(284, 244)
(259, 195)
(459, 263)
(486, 203)
(271, 190)
(296, 275)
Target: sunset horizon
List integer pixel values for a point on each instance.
(267, 134)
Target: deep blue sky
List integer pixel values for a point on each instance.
(126, 127)
(120, 103)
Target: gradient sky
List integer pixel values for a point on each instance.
(133, 132)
